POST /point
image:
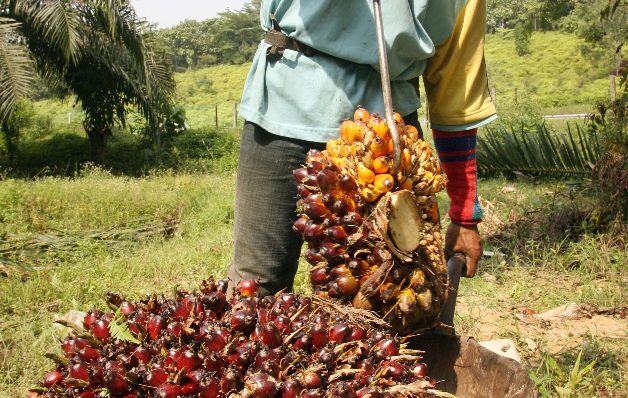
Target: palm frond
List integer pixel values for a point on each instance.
(59, 23)
(539, 152)
(16, 68)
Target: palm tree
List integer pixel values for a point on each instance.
(97, 48)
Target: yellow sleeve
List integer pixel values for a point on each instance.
(455, 79)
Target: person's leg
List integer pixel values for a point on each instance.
(266, 247)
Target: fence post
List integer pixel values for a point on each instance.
(235, 114)
(216, 112)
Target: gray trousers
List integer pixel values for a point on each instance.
(265, 246)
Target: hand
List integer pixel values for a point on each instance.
(466, 240)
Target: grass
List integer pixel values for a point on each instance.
(203, 206)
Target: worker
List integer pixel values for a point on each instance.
(319, 61)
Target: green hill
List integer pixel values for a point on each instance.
(554, 76)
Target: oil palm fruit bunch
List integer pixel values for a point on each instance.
(200, 344)
(373, 233)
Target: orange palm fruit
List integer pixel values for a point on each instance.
(369, 195)
(381, 165)
(346, 129)
(365, 174)
(357, 132)
(380, 127)
(384, 182)
(398, 118)
(391, 146)
(406, 184)
(361, 115)
(412, 132)
(406, 159)
(379, 147)
(434, 212)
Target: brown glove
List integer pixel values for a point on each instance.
(466, 240)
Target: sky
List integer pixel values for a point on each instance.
(168, 13)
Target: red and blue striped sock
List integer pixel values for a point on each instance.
(456, 151)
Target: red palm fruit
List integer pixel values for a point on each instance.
(386, 348)
(214, 362)
(142, 355)
(242, 320)
(89, 354)
(303, 192)
(331, 250)
(319, 276)
(32, 394)
(339, 270)
(395, 370)
(314, 393)
(301, 174)
(182, 312)
(302, 342)
(190, 388)
(310, 379)
(348, 285)
(91, 317)
(282, 323)
(210, 388)
(340, 333)
(168, 390)
(127, 308)
(79, 371)
(358, 267)
(215, 301)
(214, 341)
(269, 335)
(332, 289)
(370, 392)
(420, 370)
(327, 180)
(68, 347)
(87, 394)
(187, 361)
(347, 183)
(265, 355)
(342, 206)
(290, 389)
(52, 378)
(262, 385)
(174, 329)
(313, 231)
(351, 219)
(336, 234)
(313, 256)
(315, 198)
(319, 336)
(115, 382)
(300, 224)
(357, 333)
(248, 288)
(361, 115)
(155, 326)
(230, 382)
(314, 155)
(314, 167)
(100, 330)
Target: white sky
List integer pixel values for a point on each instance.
(168, 13)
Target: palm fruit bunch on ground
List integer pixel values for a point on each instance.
(201, 344)
(373, 234)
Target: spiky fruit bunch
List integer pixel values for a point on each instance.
(202, 345)
(373, 234)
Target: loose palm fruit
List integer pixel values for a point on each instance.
(348, 285)
(369, 195)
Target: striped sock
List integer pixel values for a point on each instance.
(456, 151)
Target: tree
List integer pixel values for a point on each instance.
(97, 49)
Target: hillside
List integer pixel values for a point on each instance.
(554, 77)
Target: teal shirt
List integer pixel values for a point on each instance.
(307, 97)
